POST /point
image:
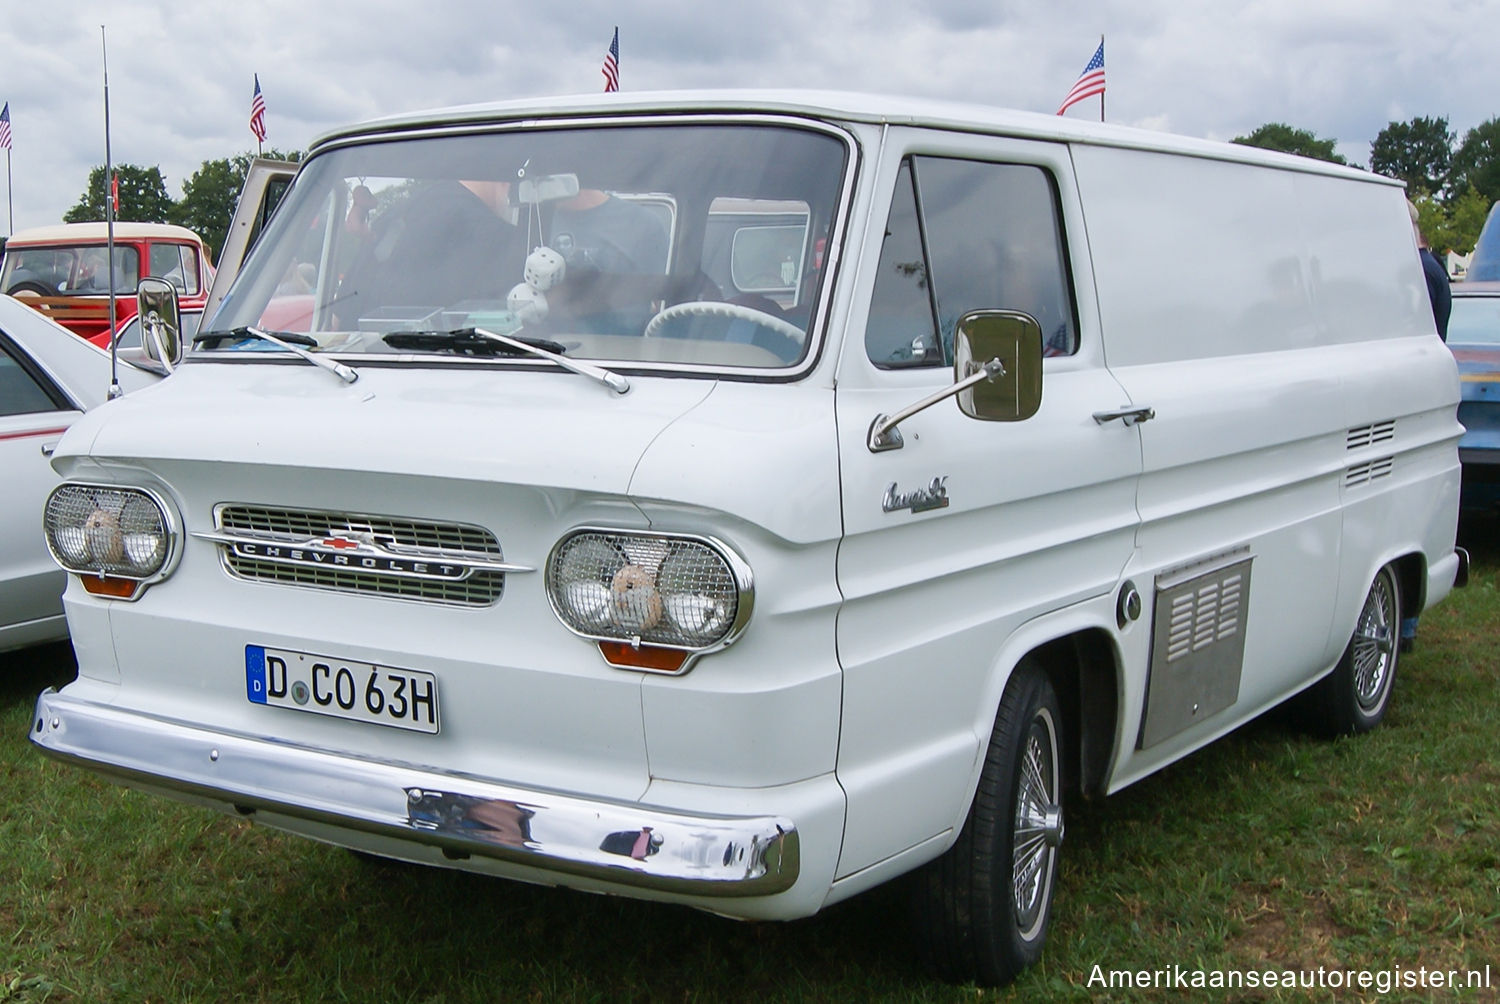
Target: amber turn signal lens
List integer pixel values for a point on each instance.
(120, 589)
(659, 660)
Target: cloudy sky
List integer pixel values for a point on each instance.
(180, 73)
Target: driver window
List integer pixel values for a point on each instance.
(967, 235)
(20, 392)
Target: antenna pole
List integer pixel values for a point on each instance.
(109, 222)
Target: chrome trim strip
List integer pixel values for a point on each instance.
(632, 845)
(370, 548)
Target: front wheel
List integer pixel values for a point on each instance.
(1354, 697)
(983, 908)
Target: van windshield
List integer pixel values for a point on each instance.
(697, 244)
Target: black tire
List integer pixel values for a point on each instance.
(1354, 697)
(982, 909)
(30, 289)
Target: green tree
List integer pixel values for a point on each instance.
(143, 196)
(1453, 226)
(1476, 162)
(1418, 152)
(1280, 136)
(209, 196)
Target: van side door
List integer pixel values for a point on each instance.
(1213, 298)
(971, 528)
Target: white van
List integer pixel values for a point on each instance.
(1057, 452)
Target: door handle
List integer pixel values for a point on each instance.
(1129, 416)
(50, 447)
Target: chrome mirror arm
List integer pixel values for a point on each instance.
(883, 434)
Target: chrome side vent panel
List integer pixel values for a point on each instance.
(1371, 470)
(1370, 435)
(1197, 643)
(434, 562)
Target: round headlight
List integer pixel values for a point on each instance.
(143, 535)
(698, 593)
(107, 531)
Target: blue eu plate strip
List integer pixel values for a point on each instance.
(255, 673)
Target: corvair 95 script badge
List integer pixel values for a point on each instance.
(933, 496)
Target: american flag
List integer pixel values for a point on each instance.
(5, 127)
(258, 113)
(612, 64)
(1090, 81)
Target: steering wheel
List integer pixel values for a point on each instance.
(721, 308)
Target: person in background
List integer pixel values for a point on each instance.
(1438, 290)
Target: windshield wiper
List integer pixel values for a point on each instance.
(291, 341)
(294, 337)
(464, 342)
(467, 340)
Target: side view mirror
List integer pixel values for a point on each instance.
(997, 375)
(1016, 340)
(161, 325)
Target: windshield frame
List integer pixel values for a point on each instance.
(817, 325)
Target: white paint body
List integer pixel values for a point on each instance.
(859, 700)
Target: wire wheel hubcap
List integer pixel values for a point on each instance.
(1038, 825)
(1375, 644)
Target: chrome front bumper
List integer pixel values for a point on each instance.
(631, 845)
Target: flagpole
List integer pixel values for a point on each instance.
(109, 225)
(10, 204)
(1101, 93)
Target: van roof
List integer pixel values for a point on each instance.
(877, 109)
(97, 233)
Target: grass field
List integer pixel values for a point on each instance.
(1269, 850)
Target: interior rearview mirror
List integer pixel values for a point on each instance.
(1015, 339)
(161, 324)
(547, 188)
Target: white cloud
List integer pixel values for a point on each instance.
(180, 74)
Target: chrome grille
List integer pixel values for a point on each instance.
(415, 538)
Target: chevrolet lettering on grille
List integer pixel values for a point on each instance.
(363, 554)
(350, 554)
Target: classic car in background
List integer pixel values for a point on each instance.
(1484, 261)
(47, 380)
(1474, 337)
(64, 271)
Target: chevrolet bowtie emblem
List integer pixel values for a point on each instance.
(340, 543)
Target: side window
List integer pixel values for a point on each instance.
(176, 263)
(993, 239)
(21, 391)
(900, 331)
(93, 270)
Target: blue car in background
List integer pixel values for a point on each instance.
(1474, 338)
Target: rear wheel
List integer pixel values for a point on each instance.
(1354, 697)
(983, 908)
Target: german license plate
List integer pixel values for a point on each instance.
(357, 691)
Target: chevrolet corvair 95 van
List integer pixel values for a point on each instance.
(1047, 453)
